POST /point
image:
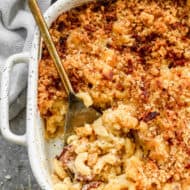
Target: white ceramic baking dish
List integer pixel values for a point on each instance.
(40, 152)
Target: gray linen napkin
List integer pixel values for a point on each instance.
(16, 33)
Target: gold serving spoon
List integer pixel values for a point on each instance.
(78, 114)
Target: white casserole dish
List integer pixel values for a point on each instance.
(40, 152)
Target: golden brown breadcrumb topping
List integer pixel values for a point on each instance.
(131, 53)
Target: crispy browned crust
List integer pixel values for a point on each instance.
(134, 52)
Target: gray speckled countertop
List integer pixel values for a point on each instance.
(15, 172)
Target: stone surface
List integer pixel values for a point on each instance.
(15, 172)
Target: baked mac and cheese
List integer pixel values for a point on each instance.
(131, 60)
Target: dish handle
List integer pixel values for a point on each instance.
(4, 102)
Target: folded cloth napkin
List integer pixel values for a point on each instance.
(16, 33)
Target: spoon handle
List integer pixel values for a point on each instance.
(50, 45)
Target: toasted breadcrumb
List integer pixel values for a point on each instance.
(132, 57)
